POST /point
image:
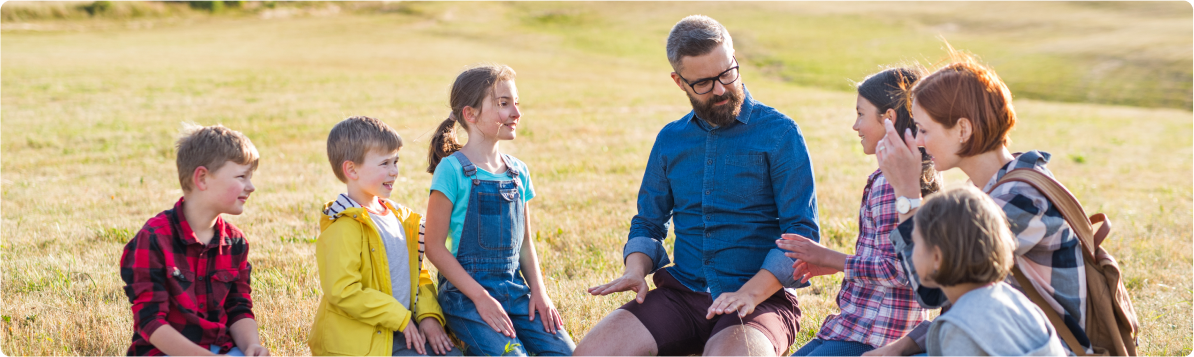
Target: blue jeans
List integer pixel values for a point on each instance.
(401, 350)
(481, 340)
(490, 240)
(819, 347)
(233, 352)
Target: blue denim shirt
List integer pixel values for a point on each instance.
(731, 191)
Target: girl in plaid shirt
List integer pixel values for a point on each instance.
(877, 304)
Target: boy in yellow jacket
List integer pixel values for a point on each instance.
(378, 298)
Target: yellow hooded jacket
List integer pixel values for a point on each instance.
(357, 314)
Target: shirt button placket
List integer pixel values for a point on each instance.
(706, 203)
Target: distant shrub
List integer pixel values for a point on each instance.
(96, 7)
(35, 11)
(212, 6)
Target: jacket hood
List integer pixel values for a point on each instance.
(346, 206)
(339, 205)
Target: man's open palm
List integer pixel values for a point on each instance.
(623, 283)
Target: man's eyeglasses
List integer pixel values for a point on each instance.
(705, 85)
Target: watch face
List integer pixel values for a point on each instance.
(902, 205)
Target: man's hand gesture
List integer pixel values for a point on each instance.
(635, 278)
(628, 281)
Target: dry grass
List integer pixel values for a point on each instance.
(89, 118)
(16, 14)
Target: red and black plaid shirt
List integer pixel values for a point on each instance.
(199, 290)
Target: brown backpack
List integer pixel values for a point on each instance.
(1111, 322)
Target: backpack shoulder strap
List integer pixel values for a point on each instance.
(1064, 202)
(1058, 324)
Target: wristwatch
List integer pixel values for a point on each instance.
(905, 204)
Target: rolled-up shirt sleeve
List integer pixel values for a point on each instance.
(780, 265)
(880, 270)
(796, 198)
(239, 302)
(649, 227)
(143, 271)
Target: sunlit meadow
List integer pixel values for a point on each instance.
(92, 100)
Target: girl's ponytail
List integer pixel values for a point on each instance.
(930, 179)
(443, 143)
(468, 91)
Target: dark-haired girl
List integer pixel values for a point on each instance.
(877, 303)
(491, 287)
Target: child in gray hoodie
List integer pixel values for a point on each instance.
(962, 240)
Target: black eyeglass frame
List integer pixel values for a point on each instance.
(714, 78)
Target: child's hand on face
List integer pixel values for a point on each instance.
(414, 339)
(436, 337)
(547, 312)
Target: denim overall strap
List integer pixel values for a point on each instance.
(510, 171)
(490, 240)
(467, 166)
(493, 230)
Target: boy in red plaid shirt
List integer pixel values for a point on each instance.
(186, 272)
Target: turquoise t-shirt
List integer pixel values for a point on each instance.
(449, 179)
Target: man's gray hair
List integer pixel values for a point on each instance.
(694, 36)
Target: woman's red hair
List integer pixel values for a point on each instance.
(966, 89)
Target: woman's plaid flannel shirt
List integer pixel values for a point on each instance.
(1047, 250)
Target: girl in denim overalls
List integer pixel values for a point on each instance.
(491, 289)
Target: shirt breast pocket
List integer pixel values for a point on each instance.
(223, 282)
(746, 175)
(178, 281)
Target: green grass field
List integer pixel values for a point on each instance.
(90, 107)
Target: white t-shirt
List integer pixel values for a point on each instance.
(393, 237)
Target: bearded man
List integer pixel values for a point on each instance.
(732, 175)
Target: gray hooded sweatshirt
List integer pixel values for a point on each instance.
(994, 320)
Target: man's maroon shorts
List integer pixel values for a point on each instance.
(675, 316)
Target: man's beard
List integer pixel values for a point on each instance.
(718, 116)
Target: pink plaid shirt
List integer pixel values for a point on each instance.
(878, 305)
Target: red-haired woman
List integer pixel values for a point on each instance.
(963, 114)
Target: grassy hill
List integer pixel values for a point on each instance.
(90, 106)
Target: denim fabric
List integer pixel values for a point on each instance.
(489, 244)
(731, 191)
(819, 347)
(234, 352)
(401, 350)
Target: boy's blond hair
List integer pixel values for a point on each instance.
(211, 147)
(354, 137)
(972, 233)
